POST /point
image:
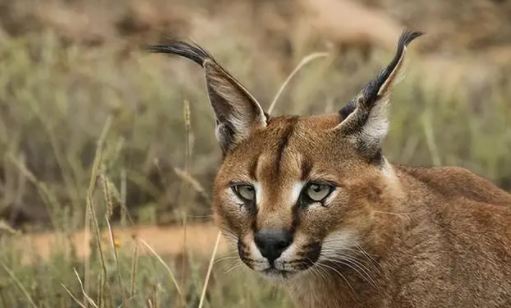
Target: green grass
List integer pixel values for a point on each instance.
(55, 101)
(49, 284)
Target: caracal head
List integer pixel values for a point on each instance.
(295, 192)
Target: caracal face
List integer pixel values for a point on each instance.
(295, 193)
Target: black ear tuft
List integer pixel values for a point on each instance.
(237, 112)
(192, 52)
(408, 36)
(347, 110)
(364, 118)
(375, 89)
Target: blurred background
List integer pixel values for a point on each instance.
(74, 79)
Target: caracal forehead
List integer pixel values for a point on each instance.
(287, 149)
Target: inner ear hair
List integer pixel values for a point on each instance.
(237, 112)
(364, 118)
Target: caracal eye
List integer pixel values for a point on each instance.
(318, 192)
(245, 192)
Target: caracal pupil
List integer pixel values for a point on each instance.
(313, 203)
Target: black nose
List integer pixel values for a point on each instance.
(272, 242)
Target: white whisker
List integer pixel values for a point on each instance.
(316, 271)
(356, 266)
(225, 259)
(233, 268)
(368, 256)
(339, 273)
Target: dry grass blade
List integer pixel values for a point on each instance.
(302, 63)
(184, 192)
(20, 285)
(42, 188)
(155, 296)
(430, 139)
(90, 213)
(5, 228)
(101, 291)
(210, 268)
(188, 134)
(72, 296)
(190, 179)
(107, 194)
(116, 257)
(134, 268)
(89, 300)
(172, 277)
(184, 257)
(122, 199)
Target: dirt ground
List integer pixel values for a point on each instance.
(199, 238)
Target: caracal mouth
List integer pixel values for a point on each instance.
(278, 276)
(274, 273)
(288, 265)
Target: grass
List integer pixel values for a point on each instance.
(90, 138)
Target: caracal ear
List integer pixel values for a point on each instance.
(237, 112)
(364, 119)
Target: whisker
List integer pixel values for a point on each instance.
(356, 266)
(327, 246)
(231, 240)
(368, 256)
(316, 271)
(358, 252)
(325, 272)
(322, 274)
(335, 251)
(231, 252)
(236, 266)
(224, 268)
(348, 264)
(228, 234)
(225, 259)
(339, 273)
(332, 252)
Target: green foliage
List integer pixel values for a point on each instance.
(48, 283)
(56, 99)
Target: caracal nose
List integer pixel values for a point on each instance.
(272, 242)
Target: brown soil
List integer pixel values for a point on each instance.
(166, 241)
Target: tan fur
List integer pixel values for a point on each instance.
(387, 236)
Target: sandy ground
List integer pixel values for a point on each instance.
(199, 238)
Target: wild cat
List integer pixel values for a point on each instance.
(312, 201)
